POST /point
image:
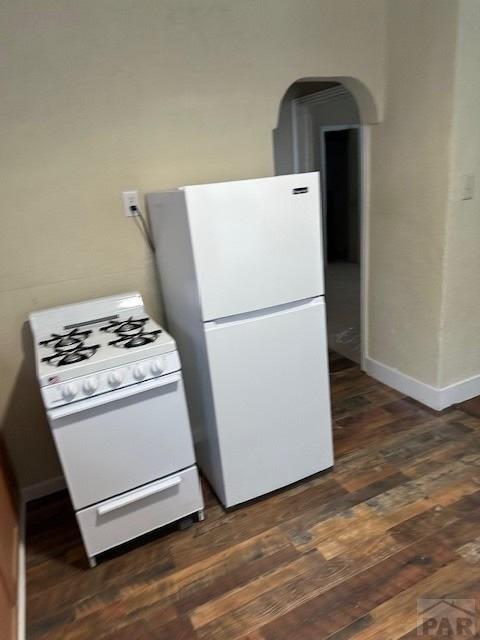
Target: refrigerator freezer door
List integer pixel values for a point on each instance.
(256, 243)
(269, 376)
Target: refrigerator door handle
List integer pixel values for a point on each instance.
(241, 318)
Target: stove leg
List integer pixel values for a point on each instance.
(201, 515)
(92, 561)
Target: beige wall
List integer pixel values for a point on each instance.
(104, 95)
(409, 187)
(460, 335)
(425, 239)
(101, 96)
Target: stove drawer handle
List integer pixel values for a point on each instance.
(135, 496)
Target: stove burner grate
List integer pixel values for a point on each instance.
(61, 358)
(129, 327)
(68, 341)
(136, 340)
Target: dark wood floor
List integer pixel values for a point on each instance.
(344, 555)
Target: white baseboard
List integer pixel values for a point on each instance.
(42, 489)
(460, 391)
(420, 391)
(22, 582)
(437, 398)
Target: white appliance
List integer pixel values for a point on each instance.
(241, 271)
(111, 383)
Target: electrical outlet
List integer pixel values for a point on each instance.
(130, 199)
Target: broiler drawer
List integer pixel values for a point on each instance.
(133, 513)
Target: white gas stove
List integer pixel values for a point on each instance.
(111, 383)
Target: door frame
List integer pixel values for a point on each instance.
(303, 161)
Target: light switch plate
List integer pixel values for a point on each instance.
(468, 187)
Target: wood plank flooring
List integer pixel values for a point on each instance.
(344, 555)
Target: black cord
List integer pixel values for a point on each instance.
(144, 226)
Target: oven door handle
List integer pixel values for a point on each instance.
(139, 494)
(112, 396)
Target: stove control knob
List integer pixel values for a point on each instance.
(115, 378)
(157, 367)
(90, 385)
(139, 372)
(69, 391)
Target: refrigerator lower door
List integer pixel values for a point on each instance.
(269, 375)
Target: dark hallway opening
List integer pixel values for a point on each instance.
(341, 164)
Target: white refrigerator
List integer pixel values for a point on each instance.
(241, 273)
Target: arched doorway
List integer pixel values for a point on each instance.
(321, 128)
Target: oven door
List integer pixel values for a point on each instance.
(122, 439)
